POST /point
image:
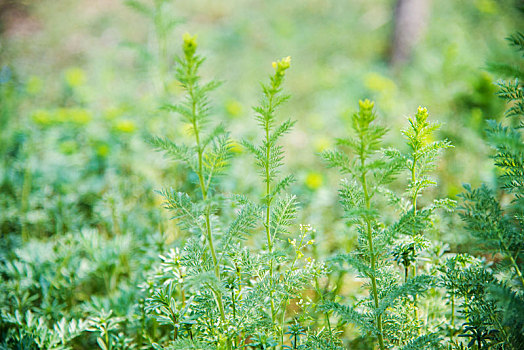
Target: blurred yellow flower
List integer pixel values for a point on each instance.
(233, 108)
(75, 77)
(102, 150)
(42, 117)
(79, 116)
(125, 125)
(73, 115)
(314, 180)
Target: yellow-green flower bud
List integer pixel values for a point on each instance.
(422, 114)
(366, 104)
(189, 46)
(281, 66)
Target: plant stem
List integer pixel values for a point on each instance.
(317, 285)
(415, 194)
(513, 262)
(282, 320)
(175, 321)
(268, 209)
(452, 315)
(107, 340)
(233, 301)
(372, 255)
(367, 219)
(414, 201)
(203, 189)
(286, 299)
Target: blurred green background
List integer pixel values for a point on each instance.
(106, 67)
(82, 83)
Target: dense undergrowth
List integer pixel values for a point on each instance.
(90, 259)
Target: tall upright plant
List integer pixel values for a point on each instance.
(215, 290)
(207, 157)
(157, 52)
(370, 169)
(284, 278)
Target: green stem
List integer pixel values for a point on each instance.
(414, 201)
(233, 303)
(374, 289)
(517, 270)
(282, 321)
(413, 180)
(286, 299)
(175, 321)
(452, 315)
(268, 210)
(209, 235)
(107, 341)
(317, 285)
(513, 262)
(367, 199)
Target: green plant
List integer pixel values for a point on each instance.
(157, 52)
(370, 170)
(279, 211)
(207, 158)
(31, 332)
(217, 287)
(105, 325)
(496, 313)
